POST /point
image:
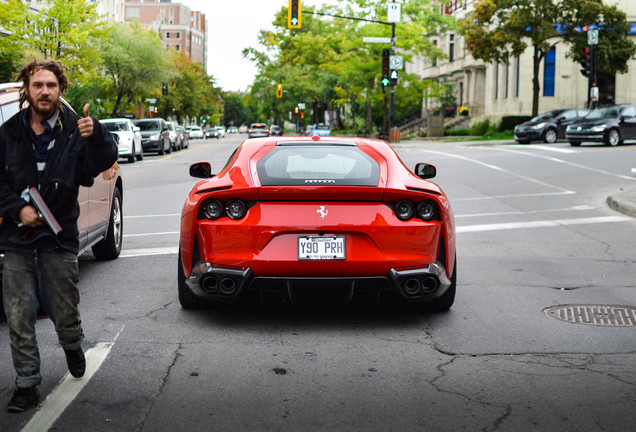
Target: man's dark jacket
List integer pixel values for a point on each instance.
(73, 161)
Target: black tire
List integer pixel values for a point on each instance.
(110, 247)
(445, 302)
(575, 143)
(523, 141)
(186, 298)
(169, 148)
(613, 138)
(160, 146)
(550, 136)
(140, 156)
(131, 158)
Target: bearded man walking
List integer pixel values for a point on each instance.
(50, 148)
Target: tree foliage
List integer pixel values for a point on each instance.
(134, 62)
(65, 30)
(327, 65)
(499, 29)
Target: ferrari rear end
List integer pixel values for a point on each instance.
(317, 220)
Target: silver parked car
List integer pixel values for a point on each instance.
(129, 142)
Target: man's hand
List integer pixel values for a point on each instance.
(85, 124)
(30, 217)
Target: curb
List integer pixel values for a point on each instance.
(623, 202)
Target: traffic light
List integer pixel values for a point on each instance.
(394, 78)
(164, 88)
(294, 14)
(296, 110)
(586, 63)
(386, 58)
(279, 90)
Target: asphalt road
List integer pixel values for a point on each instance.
(533, 232)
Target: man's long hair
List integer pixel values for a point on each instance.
(28, 70)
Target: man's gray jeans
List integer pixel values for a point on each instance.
(49, 280)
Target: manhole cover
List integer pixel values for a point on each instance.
(598, 315)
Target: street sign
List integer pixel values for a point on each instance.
(301, 106)
(376, 39)
(592, 37)
(393, 12)
(396, 62)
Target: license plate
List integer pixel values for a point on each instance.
(321, 247)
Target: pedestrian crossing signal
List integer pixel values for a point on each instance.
(279, 90)
(294, 14)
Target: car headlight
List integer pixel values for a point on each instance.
(213, 209)
(154, 137)
(404, 209)
(236, 209)
(539, 126)
(599, 128)
(568, 129)
(426, 210)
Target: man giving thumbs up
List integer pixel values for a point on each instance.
(48, 147)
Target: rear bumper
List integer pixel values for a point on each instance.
(403, 286)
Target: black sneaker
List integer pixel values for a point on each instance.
(23, 399)
(76, 362)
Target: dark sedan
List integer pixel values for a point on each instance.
(610, 125)
(549, 126)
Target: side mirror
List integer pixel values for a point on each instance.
(201, 170)
(425, 171)
(136, 128)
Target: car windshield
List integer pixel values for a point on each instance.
(303, 164)
(546, 116)
(148, 125)
(116, 126)
(257, 126)
(602, 113)
(322, 127)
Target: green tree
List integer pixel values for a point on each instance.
(499, 29)
(65, 30)
(191, 92)
(135, 63)
(327, 66)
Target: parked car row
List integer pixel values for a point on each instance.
(611, 125)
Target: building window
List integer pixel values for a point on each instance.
(549, 71)
(507, 78)
(517, 75)
(451, 48)
(167, 35)
(178, 35)
(434, 62)
(177, 47)
(496, 80)
(132, 12)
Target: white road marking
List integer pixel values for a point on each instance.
(568, 209)
(551, 148)
(149, 251)
(151, 234)
(561, 161)
(497, 168)
(541, 224)
(62, 396)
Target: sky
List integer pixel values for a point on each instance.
(227, 37)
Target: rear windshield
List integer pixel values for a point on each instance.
(148, 125)
(307, 164)
(116, 126)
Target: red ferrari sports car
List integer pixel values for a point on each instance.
(302, 219)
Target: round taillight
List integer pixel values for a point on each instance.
(426, 210)
(235, 209)
(213, 209)
(404, 209)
